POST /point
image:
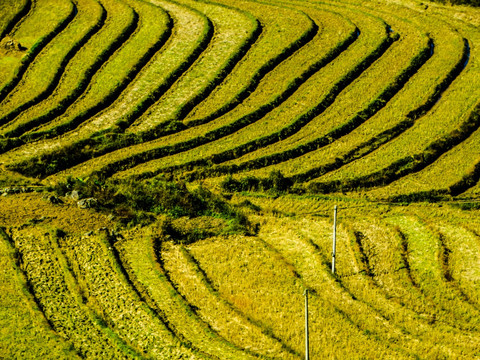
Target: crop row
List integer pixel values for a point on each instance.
(461, 270)
(60, 299)
(24, 329)
(73, 161)
(316, 134)
(193, 34)
(109, 292)
(229, 321)
(413, 101)
(406, 271)
(229, 44)
(386, 273)
(43, 74)
(235, 120)
(31, 36)
(452, 179)
(429, 266)
(261, 60)
(244, 94)
(149, 276)
(153, 30)
(454, 53)
(110, 77)
(427, 139)
(307, 101)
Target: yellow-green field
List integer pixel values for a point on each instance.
(169, 170)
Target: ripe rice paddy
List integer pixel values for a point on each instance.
(267, 113)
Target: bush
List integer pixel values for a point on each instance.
(275, 183)
(141, 203)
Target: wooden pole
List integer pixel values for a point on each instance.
(307, 356)
(334, 238)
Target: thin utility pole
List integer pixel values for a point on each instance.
(334, 238)
(307, 356)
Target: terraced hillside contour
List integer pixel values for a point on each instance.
(405, 284)
(338, 96)
(377, 100)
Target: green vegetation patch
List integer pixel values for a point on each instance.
(187, 214)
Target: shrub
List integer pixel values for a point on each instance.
(140, 203)
(275, 183)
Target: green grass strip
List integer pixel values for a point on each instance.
(54, 16)
(42, 77)
(265, 124)
(12, 12)
(24, 330)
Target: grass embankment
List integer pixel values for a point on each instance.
(461, 2)
(43, 75)
(12, 13)
(399, 113)
(61, 299)
(154, 29)
(300, 102)
(141, 203)
(144, 147)
(192, 34)
(24, 331)
(234, 32)
(46, 20)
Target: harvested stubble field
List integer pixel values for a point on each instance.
(169, 168)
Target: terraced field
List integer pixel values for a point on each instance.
(283, 107)
(338, 96)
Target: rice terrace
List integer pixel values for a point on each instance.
(169, 171)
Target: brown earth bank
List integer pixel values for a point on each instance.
(31, 208)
